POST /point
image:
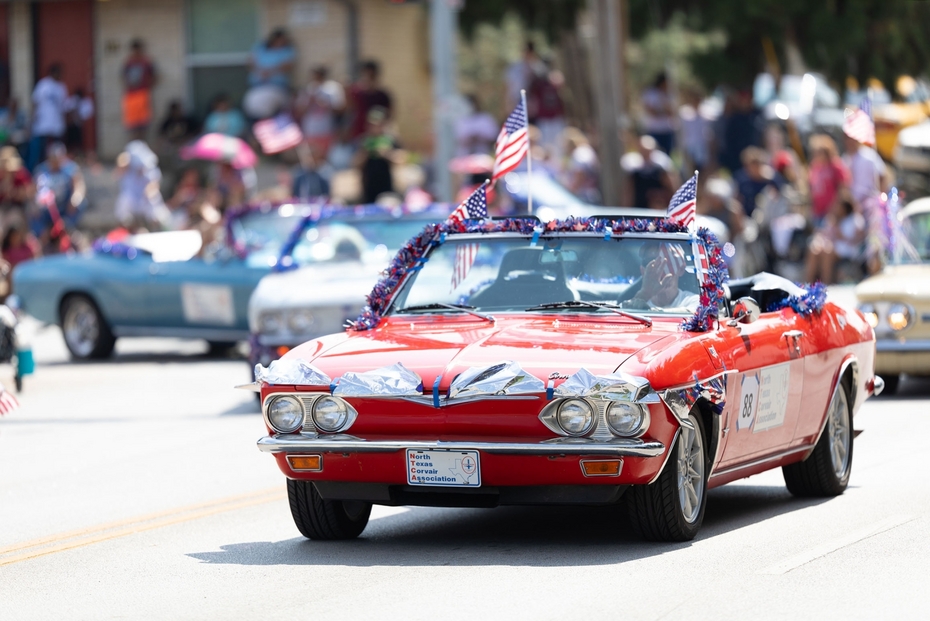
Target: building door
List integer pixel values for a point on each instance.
(221, 33)
(64, 34)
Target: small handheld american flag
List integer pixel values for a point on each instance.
(681, 208)
(859, 125)
(475, 207)
(277, 134)
(513, 142)
(8, 402)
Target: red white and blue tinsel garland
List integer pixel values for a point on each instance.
(805, 304)
(712, 291)
(412, 255)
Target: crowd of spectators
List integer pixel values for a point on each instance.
(804, 207)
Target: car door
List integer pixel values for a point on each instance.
(118, 285)
(765, 383)
(206, 299)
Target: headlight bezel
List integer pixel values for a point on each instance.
(284, 398)
(899, 312)
(870, 313)
(348, 414)
(291, 318)
(592, 416)
(276, 318)
(641, 425)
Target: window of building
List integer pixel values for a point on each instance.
(221, 35)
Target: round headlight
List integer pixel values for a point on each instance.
(285, 414)
(299, 321)
(626, 419)
(269, 322)
(330, 413)
(898, 317)
(871, 315)
(576, 417)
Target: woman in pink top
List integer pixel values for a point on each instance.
(828, 176)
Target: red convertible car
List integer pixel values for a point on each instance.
(587, 361)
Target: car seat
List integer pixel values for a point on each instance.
(523, 276)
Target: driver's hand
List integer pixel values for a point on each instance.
(657, 277)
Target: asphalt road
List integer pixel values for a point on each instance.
(133, 489)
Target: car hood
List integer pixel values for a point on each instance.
(447, 346)
(903, 282)
(319, 285)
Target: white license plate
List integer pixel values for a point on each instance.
(443, 468)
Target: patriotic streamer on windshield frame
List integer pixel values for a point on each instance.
(712, 292)
(412, 255)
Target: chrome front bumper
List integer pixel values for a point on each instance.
(902, 345)
(300, 443)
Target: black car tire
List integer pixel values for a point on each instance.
(325, 520)
(87, 334)
(656, 510)
(820, 475)
(221, 349)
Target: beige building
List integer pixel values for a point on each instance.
(201, 48)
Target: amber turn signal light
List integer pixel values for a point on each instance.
(605, 468)
(308, 463)
(283, 349)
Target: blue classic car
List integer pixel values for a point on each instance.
(158, 284)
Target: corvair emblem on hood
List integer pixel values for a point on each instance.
(503, 378)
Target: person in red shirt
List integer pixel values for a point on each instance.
(16, 187)
(138, 81)
(828, 177)
(363, 96)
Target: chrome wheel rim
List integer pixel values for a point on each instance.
(839, 433)
(81, 327)
(690, 472)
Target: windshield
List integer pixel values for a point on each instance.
(917, 232)
(261, 234)
(330, 241)
(510, 274)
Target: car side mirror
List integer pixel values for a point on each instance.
(745, 310)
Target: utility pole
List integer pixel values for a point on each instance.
(443, 28)
(609, 72)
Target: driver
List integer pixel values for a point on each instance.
(660, 278)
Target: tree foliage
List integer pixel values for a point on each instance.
(840, 38)
(550, 16)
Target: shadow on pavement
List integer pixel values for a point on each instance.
(515, 536)
(911, 387)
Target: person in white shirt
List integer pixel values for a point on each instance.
(475, 132)
(48, 113)
(318, 108)
(658, 120)
(867, 169)
(869, 178)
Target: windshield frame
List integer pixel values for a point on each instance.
(389, 310)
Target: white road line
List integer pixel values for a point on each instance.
(829, 547)
(380, 511)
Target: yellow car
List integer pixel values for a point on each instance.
(911, 107)
(896, 302)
